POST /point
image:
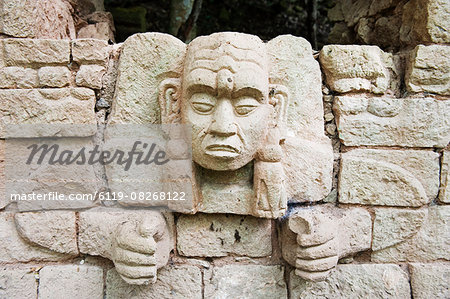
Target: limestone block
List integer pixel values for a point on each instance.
(430, 280)
(245, 281)
(90, 76)
(3, 200)
(314, 238)
(24, 52)
(15, 249)
(389, 177)
(90, 51)
(54, 183)
(355, 281)
(54, 76)
(18, 77)
(18, 283)
(48, 107)
(67, 281)
(180, 281)
(444, 192)
(213, 235)
(430, 26)
(422, 238)
(55, 230)
(354, 68)
(412, 121)
(393, 226)
(37, 19)
(428, 70)
(100, 30)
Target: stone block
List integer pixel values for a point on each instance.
(354, 68)
(44, 185)
(54, 76)
(18, 77)
(55, 230)
(3, 201)
(48, 107)
(179, 281)
(90, 76)
(24, 52)
(214, 235)
(411, 122)
(421, 235)
(90, 51)
(408, 178)
(68, 281)
(444, 190)
(355, 281)
(245, 281)
(18, 283)
(14, 249)
(430, 280)
(428, 70)
(37, 19)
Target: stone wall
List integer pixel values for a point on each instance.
(388, 116)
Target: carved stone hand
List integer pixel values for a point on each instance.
(315, 238)
(134, 251)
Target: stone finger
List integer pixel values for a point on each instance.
(133, 258)
(318, 265)
(135, 272)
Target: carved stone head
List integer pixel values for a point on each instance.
(225, 98)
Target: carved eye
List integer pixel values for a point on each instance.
(245, 105)
(202, 102)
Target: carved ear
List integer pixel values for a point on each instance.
(278, 97)
(169, 100)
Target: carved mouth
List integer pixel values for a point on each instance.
(222, 148)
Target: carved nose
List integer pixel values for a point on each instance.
(223, 122)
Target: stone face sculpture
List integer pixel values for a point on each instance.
(255, 110)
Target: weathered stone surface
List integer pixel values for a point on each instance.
(314, 238)
(354, 68)
(18, 77)
(23, 52)
(220, 235)
(432, 25)
(90, 51)
(100, 30)
(46, 182)
(17, 283)
(245, 281)
(430, 280)
(428, 69)
(90, 76)
(55, 230)
(426, 242)
(54, 76)
(3, 200)
(389, 177)
(444, 190)
(181, 281)
(393, 226)
(48, 106)
(412, 121)
(15, 249)
(67, 281)
(37, 19)
(355, 281)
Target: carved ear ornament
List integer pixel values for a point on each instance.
(169, 95)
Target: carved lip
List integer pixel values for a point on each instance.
(222, 148)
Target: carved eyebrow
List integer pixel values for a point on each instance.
(251, 91)
(199, 87)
